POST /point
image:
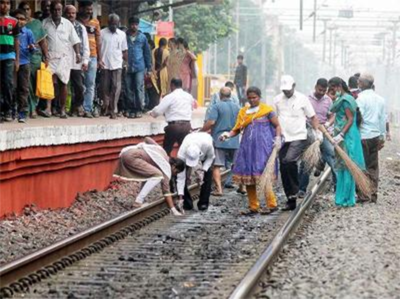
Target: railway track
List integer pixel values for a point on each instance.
(198, 255)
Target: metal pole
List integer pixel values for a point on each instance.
(334, 52)
(170, 11)
(324, 44)
(301, 14)
(330, 45)
(342, 54)
(281, 61)
(215, 58)
(263, 63)
(229, 57)
(315, 21)
(237, 27)
(344, 57)
(384, 49)
(394, 42)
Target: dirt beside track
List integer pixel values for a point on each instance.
(35, 229)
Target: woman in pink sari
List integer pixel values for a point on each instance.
(187, 70)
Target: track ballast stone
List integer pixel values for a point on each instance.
(36, 229)
(345, 252)
(200, 255)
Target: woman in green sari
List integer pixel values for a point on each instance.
(40, 37)
(347, 136)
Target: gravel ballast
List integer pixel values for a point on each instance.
(345, 252)
(35, 229)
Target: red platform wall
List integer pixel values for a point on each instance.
(51, 176)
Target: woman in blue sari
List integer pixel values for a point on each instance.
(347, 136)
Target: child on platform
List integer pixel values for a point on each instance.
(26, 48)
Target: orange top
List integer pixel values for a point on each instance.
(93, 30)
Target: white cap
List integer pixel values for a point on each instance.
(192, 155)
(287, 82)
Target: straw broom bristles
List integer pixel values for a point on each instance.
(268, 176)
(312, 155)
(362, 181)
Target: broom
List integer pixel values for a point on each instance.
(362, 181)
(268, 175)
(312, 155)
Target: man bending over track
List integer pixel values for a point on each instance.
(148, 162)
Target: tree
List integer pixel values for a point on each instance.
(202, 25)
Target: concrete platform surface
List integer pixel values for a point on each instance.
(56, 131)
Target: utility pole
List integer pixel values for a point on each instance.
(280, 52)
(383, 48)
(345, 54)
(301, 14)
(334, 51)
(341, 52)
(170, 11)
(324, 44)
(215, 57)
(229, 57)
(315, 21)
(330, 45)
(237, 27)
(263, 63)
(394, 42)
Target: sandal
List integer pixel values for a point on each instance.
(248, 213)
(44, 113)
(267, 211)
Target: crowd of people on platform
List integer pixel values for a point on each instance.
(243, 139)
(111, 70)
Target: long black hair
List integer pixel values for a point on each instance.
(337, 81)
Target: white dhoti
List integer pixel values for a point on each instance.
(61, 66)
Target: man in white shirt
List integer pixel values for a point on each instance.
(62, 42)
(293, 109)
(372, 129)
(78, 69)
(196, 148)
(114, 50)
(177, 108)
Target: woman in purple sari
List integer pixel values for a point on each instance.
(261, 130)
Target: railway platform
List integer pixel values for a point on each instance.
(46, 162)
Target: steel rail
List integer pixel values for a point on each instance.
(22, 267)
(246, 286)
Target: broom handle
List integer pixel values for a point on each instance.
(326, 133)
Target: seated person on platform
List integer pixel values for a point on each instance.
(148, 162)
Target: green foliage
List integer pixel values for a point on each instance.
(202, 25)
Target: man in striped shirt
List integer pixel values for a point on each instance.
(9, 58)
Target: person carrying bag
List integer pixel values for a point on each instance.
(44, 85)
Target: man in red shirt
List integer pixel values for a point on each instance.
(9, 58)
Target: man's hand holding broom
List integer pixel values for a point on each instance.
(312, 155)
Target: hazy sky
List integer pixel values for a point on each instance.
(373, 4)
(372, 19)
(366, 39)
